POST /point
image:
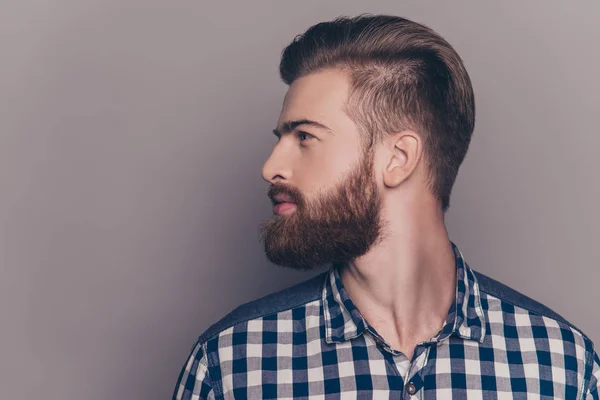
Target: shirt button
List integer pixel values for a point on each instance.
(410, 388)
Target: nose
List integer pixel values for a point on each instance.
(277, 167)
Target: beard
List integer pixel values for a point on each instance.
(337, 226)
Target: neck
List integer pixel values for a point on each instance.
(405, 285)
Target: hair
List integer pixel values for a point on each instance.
(403, 75)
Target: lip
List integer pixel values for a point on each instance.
(284, 208)
(282, 198)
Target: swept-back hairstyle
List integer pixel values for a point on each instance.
(403, 75)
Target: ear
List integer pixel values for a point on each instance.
(404, 153)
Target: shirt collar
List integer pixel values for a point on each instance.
(465, 318)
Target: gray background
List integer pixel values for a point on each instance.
(132, 136)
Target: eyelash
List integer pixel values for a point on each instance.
(300, 133)
(304, 133)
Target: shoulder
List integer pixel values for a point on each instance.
(502, 298)
(509, 295)
(201, 372)
(282, 300)
(512, 309)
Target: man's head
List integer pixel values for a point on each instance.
(379, 109)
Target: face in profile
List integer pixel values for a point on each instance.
(336, 213)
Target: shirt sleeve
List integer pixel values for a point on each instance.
(194, 381)
(593, 389)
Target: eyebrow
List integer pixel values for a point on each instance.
(289, 126)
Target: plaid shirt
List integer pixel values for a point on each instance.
(310, 341)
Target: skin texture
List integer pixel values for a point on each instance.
(369, 212)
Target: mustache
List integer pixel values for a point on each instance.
(285, 190)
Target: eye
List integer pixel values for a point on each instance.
(301, 133)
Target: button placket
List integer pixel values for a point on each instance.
(410, 388)
(413, 369)
(402, 365)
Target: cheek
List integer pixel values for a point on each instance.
(328, 165)
(324, 166)
(319, 173)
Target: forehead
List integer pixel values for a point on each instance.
(318, 96)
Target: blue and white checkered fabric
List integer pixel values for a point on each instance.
(310, 341)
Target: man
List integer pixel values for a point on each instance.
(374, 126)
